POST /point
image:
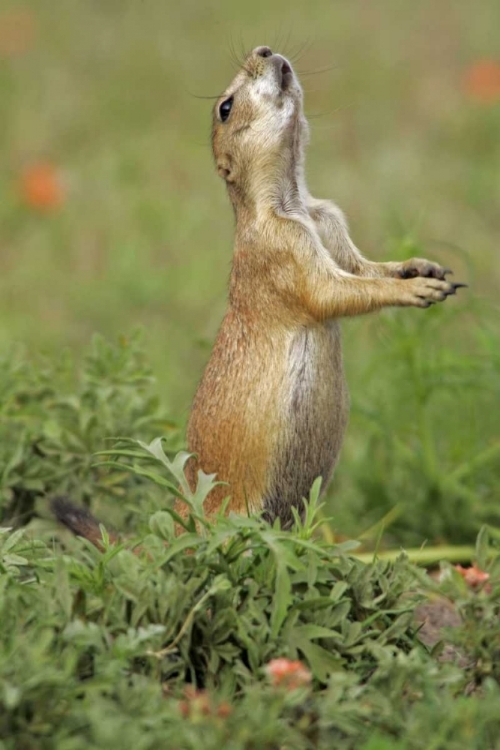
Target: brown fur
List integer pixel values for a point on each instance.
(80, 521)
(271, 409)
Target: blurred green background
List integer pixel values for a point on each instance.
(112, 216)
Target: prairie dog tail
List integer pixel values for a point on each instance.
(80, 521)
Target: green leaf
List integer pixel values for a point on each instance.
(321, 662)
(11, 541)
(176, 467)
(282, 597)
(311, 631)
(161, 523)
(13, 559)
(183, 542)
(156, 478)
(204, 486)
(483, 548)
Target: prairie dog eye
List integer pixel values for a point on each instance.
(225, 109)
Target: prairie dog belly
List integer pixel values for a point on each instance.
(315, 415)
(269, 416)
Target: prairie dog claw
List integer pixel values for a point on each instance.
(415, 267)
(423, 291)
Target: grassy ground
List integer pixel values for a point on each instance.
(106, 94)
(235, 635)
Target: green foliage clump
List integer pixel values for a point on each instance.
(423, 446)
(54, 416)
(167, 641)
(98, 648)
(479, 636)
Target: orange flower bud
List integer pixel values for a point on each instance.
(41, 187)
(482, 81)
(224, 710)
(473, 576)
(290, 674)
(196, 702)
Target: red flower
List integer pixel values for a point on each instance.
(482, 81)
(199, 702)
(473, 576)
(41, 187)
(290, 674)
(224, 710)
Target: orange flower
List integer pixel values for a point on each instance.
(482, 81)
(224, 710)
(41, 187)
(473, 576)
(199, 702)
(290, 674)
(17, 32)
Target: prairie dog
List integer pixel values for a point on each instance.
(271, 410)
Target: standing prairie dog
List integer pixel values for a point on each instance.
(271, 410)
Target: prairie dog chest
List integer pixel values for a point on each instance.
(314, 356)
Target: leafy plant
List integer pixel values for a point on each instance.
(425, 460)
(165, 640)
(53, 417)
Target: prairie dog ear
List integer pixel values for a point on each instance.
(224, 167)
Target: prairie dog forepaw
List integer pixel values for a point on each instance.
(423, 292)
(414, 267)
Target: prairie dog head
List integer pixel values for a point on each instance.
(258, 122)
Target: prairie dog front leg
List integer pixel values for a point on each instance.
(315, 283)
(333, 230)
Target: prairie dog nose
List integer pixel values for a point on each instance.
(263, 51)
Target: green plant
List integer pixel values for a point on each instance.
(164, 640)
(168, 641)
(54, 416)
(426, 460)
